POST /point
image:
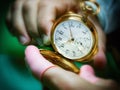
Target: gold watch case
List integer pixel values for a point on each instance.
(55, 56)
(87, 23)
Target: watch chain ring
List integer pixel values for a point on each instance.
(86, 9)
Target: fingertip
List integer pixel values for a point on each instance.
(38, 64)
(46, 29)
(29, 49)
(88, 73)
(86, 69)
(46, 39)
(100, 60)
(24, 40)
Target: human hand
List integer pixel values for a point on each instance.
(33, 19)
(100, 59)
(57, 78)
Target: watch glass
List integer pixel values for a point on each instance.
(72, 39)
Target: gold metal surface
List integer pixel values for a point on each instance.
(59, 60)
(73, 16)
(87, 9)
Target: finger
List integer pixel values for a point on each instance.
(100, 57)
(46, 17)
(18, 23)
(29, 10)
(36, 61)
(87, 73)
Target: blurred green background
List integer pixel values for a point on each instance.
(14, 75)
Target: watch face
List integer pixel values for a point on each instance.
(72, 39)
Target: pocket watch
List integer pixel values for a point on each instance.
(74, 37)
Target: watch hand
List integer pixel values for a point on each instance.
(72, 39)
(71, 35)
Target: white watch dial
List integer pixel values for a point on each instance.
(73, 39)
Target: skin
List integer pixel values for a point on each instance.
(31, 21)
(56, 78)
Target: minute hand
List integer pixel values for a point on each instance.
(71, 35)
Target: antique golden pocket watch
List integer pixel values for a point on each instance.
(74, 37)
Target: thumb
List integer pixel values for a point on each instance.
(37, 63)
(88, 73)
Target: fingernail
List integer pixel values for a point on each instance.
(46, 40)
(24, 40)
